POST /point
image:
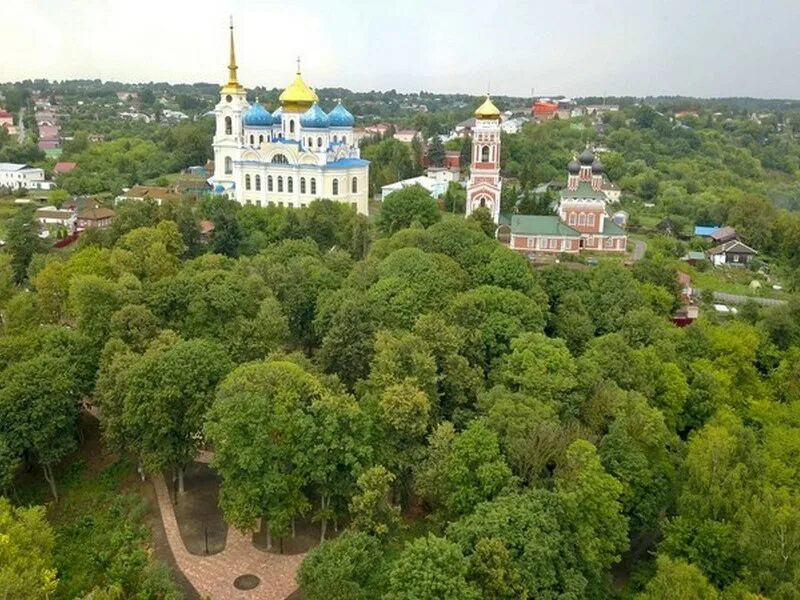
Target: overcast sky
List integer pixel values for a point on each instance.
(571, 47)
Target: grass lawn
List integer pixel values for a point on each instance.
(732, 280)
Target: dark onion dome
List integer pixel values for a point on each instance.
(574, 167)
(314, 118)
(586, 157)
(597, 166)
(340, 117)
(257, 116)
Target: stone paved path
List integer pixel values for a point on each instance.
(213, 576)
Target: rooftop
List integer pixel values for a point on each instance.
(541, 225)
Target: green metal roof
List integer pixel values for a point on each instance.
(504, 219)
(584, 190)
(541, 225)
(611, 228)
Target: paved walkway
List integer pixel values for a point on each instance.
(212, 576)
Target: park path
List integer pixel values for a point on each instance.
(212, 576)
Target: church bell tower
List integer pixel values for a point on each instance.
(228, 138)
(483, 189)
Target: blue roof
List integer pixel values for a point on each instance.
(704, 231)
(257, 116)
(340, 117)
(345, 163)
(219, 188)
(276, 116)
(314, 118)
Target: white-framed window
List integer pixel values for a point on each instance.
(261, 139)
(552, 243)
(542, 243)
(335, 187)
(280, 183)
(289, 185)
(247, 182)
(572, 218)
(252, 139)
(531, 241)
(228, 126)
(269, 183)
(581, 219)
(258, 183)
(302, 185)
(319, 142)
(590, 219)
(313, 185)
(228, 165)
(258, 203)
(291, 126)
(354, 186)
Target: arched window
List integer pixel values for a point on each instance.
(310, 142)
(228, 126)
(355, 185)
(247, 182)
(289, 185)
(313, 185)
(344, 139)
(335, 139)
(280, 183)
(483, 202)
(590, 219)
(252, 139)
(302, 185)
(261, 139)
(258, 183)
(581, 219)
(291, 126)
(228, 165)
(269, 183)
(335, 187)
(319, 142)
(280, 159)
(572, 218)
(485, 154)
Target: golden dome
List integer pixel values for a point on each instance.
(298, 96)
(487, 110)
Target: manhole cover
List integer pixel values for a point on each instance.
(246, 582)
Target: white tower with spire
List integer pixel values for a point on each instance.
(228, 137)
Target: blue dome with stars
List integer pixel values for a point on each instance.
(314, 118)
(257, 116)
(340, 117)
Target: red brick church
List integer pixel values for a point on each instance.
(582, 221)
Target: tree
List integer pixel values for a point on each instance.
(7, 278)
(405, 207)
(541, 367)
(483, 218)
(38, 415)
(372, 511)
(263, 401)
(678, 580)
(26, 553)
(21, 242)
(436, 152)
(464, 469)
(493, 571)
(347, 568)
(169, 393)
(592, 507)
(430, 568)
(253, 339)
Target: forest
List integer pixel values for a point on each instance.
(460, 425)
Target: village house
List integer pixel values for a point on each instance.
(734, 252)
(98, 216)
(50, 215)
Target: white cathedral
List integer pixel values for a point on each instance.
(290, 157)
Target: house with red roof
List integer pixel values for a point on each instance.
(544, 111)
(64, 167)
(6, 118)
